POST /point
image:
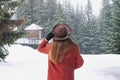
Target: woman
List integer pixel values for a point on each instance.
(63, 54)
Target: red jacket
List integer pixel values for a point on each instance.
(65, 69)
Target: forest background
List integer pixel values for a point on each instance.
(95, 34)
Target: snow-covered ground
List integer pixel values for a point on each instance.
(25, 63)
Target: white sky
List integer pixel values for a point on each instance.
(96, 4)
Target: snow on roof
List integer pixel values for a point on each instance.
(15, 29)
(33, 27)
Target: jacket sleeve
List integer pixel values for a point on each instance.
(78, 58)
(43, 46)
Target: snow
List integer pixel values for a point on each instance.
(25, 63)
(27, 41)
(33, 26)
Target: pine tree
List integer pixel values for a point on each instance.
(105, 26)
(79, 21)
(89, 44)
(59, 15)
(27, 11)
(68, 12)
(39, 11)
(7, 35)
(50, 11)
(116, 27)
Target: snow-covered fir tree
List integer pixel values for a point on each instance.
(105, 26)
(116, 27)
(7, 25)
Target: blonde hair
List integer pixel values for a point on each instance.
(58, 50)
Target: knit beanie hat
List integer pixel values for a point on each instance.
(61, 32)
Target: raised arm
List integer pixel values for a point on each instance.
(44, 46)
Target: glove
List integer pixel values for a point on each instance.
(49, 36)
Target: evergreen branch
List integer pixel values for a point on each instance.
(10, 23)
